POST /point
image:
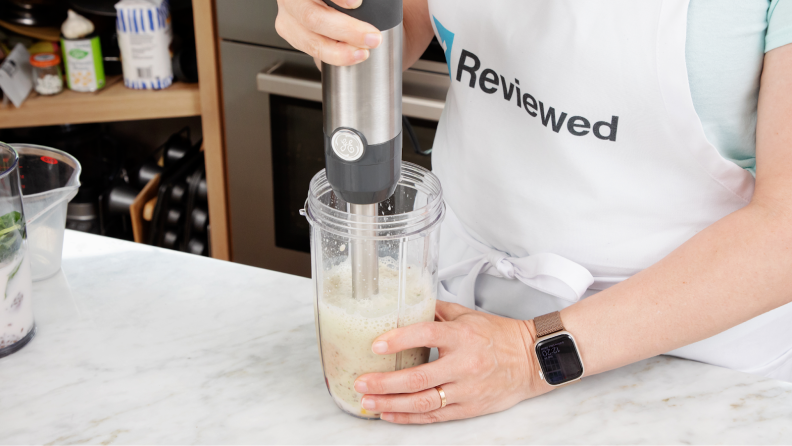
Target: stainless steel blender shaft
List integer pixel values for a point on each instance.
(362, 127)
(365, 256)
(367, 98)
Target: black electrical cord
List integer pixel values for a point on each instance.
(414, 138)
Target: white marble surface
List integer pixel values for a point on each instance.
(141, 345)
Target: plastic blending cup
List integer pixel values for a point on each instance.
(16, 306)
(404, 236)
(50, 179)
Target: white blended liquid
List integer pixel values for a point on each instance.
(16, 306)
(348, 327)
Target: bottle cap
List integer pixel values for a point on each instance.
(44, 60)
(76, 26)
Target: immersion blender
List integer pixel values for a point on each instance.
(362, 130)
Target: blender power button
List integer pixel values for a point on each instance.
(347, 145)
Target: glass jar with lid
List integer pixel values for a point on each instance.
(47, 76)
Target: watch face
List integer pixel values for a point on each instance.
(559, 359)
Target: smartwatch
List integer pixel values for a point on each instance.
(556, 350)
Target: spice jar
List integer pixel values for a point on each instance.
(47, 73)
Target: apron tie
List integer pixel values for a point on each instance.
(501, 262)
(546, 272)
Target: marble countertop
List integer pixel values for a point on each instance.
(141, 345)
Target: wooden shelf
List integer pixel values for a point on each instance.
(113, 103)
(117, 103)
(51, 34)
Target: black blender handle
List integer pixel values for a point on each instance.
(384, 14)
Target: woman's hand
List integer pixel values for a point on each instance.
(324, 33)
(485, 366)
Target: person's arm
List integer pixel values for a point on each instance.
(734, 270)
(418, 31)
(337, 39)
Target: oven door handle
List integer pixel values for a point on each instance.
(275, 81)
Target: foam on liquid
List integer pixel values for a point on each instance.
(348, 327)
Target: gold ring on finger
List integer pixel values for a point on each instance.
(443, 401)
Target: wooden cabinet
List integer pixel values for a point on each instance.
(117, 103)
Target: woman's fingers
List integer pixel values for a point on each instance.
(446, 311)
(422, 334)
(326, 21)
(415, 379)
(320, 47)
(425, 401)
(319, 25)
(448, 413)
(412, 380)
(349, 4)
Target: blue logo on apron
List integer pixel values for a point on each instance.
(446, 41)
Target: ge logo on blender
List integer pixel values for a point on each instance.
(347, 145)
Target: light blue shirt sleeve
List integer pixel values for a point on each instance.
(779, 24)
(725, 50)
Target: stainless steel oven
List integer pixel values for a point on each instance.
(273, 114)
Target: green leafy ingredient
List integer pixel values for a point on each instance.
(11, 276)
(12, 233)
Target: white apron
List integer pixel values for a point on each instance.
(571, 157)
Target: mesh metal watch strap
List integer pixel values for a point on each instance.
(549, 323)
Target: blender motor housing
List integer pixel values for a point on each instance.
(363, 111)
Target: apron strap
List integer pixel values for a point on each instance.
(546, 272)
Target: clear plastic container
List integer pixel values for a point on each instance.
(50, 179)
(47, 76)
(404, 237)
(16, 306)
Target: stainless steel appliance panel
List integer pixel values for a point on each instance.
(249, 21)
(249, 157)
